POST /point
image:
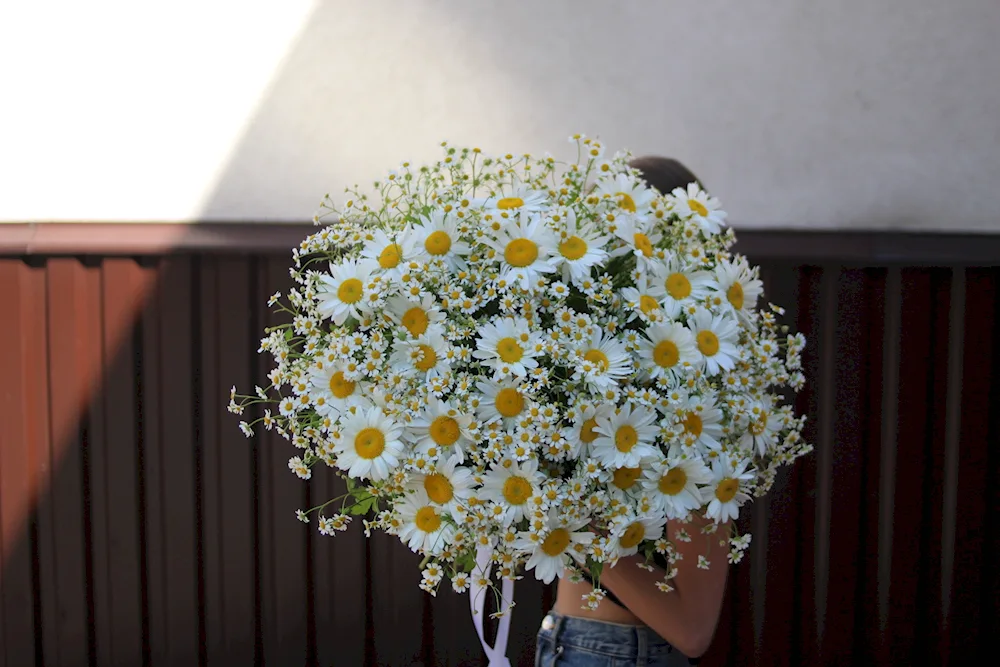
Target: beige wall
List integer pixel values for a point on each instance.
(851, 113)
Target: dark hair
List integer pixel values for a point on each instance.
(664, 173)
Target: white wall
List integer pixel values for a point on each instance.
(851, 113)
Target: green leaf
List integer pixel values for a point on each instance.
(595, 568)
(466, 562)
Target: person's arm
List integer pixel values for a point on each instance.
(687, 616)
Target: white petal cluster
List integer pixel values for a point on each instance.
(552, 361)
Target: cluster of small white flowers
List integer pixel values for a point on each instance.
(548, 360)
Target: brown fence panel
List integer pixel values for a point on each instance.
(70, 372)
(972, 623)
(139, 527)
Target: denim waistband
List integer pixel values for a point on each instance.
(627, 642)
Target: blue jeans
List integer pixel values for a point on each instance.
(565, 641)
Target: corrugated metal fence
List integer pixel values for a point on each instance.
(139, 527)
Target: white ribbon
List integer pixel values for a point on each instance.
(497, 654)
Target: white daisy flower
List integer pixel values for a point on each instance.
(727, 490)
(417, 317)
(437, 238)
(716, 337)
(667, 350)
(738, 285)
(561, 545)
(629, 193)
(763, 426)
(695, 204)
(672, 485)
(448, 484)
(583, 429)
(639, 239)
(511, 485)
(424, 528)
(341, 293)
(391, 253)
(701, 418)
(626, 437)
(623, 482)
(504, 401)
(525, 248)
(460, 582)
(440, 428)
(369, 446)
(629, 530)
(513, 200)
(580, 248)
(339, 393)
(648, 298)
(683, 282)
(602, 361)
(425, 357)
(508, 346)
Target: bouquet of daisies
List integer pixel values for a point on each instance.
(539, 361)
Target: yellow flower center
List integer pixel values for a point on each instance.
(648, 304)
(516, 490)
(573, 248)
(508, 203)
(643, 244)
(708, 343)
(369, 443)
(626, 202)
(759, 425)
(438, 488)
(735, 295)
(673, 482)
(698, 207)
(625, 478)
(633, 535)
(438, 243)
(339, 386)
(415, 320)
(509, 350)
(625, 438)
(726, 489)
(597, 358)
(666, 354)
(390, 256)
(693, 424)
(350, 291)
(509, 402)
(428, 358)
(556, 542)
(678, 286)
(521, 252)
(444, 431)
(587, 432)
(427, 519)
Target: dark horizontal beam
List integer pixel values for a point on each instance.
(871, 247)
(795, 245)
